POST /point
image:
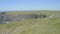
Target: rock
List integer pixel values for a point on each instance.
(18, 17)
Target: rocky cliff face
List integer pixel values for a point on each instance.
(4, 17)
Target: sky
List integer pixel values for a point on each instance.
(12, 5)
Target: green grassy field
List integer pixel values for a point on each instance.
(33, 26)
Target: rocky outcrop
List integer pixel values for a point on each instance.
(4, 17)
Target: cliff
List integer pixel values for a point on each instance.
(4, 17)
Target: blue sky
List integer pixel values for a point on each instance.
(12, 5)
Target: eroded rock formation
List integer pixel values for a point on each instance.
(4, 17)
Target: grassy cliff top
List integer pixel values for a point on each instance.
(33, 26)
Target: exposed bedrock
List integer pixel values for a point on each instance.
(18, 17)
